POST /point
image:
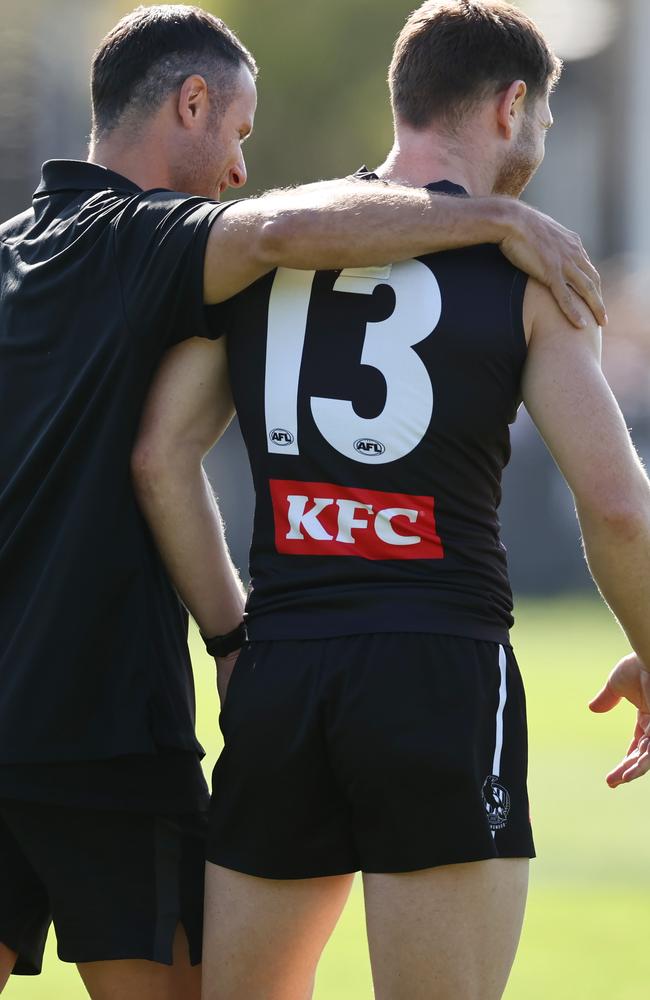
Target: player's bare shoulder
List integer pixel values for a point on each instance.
(543, 318)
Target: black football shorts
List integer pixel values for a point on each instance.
(381, 753)
(115, 884)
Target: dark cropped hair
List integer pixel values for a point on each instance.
(151, 51)
(453, 53)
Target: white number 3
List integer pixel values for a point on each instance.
(388, 344)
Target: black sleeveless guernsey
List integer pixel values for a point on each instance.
(375, 405)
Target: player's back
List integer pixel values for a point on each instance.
(375, 407)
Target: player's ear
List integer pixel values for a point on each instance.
(192, 100)
(511, 106)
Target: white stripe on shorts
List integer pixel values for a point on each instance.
(503, 694)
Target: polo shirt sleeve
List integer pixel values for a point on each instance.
(220, 317)
(159, 243)
(238, 312)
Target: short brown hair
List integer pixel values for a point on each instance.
(152, 51)
(452, 53)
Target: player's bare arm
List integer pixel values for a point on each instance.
(348, 223)
(575, 411)
(188, 409)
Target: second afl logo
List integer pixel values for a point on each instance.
(368, 446)
(281, 437)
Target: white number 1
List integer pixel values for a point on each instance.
(388, 344)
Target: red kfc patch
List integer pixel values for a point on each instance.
(324, 519)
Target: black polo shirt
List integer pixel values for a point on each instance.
(97, 279)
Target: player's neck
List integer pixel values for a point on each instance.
(424, 157)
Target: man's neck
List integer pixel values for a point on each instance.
(419, 158)
(143, 163)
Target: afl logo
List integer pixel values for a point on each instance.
(281, 437)
(368, 446)
(496, 800)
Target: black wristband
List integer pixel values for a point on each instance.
(222, 645)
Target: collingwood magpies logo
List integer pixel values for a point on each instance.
(496, 800)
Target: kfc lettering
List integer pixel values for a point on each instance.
(329, 520)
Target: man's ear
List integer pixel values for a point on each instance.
(511, 106)
(192, 100)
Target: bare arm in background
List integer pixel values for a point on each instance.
(355, 223)
(576, 413)
(188, 409)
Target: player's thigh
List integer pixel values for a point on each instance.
(7, 962)
(145, 980)
(446, 933)
(263, 937)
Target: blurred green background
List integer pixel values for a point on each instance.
(586, 930)
(323, 110)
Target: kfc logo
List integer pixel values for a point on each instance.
(330, 520)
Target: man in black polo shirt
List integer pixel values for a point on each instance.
(101, 791)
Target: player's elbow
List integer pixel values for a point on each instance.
(275, 239)
(626, 522)
(147, 467)
(155, 465)
(622, 516)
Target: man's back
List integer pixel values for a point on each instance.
(97, 279)
(376, 416)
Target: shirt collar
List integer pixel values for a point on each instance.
(79, 175)
(444, 187)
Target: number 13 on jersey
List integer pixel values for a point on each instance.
(388, 347)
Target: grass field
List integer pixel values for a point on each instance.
(588, 921)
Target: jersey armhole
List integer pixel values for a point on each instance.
(518, 330)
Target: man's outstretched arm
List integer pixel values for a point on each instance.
(355, 223)
(574, 409)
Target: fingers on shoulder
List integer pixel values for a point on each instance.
(558, 311)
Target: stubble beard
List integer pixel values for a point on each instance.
(196, 171)
(519, 166)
